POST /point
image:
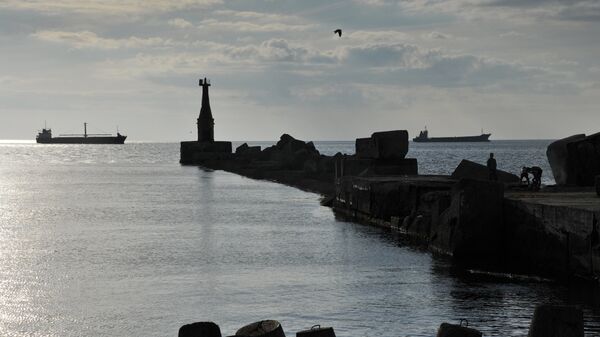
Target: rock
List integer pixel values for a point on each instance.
(200, 329)
(556, 321)
(471, 170)
(383, 145)
(267, 328)
(451, 330)
(316, 331)
(561, 164)
(290, 144)
(598, 185)
(244, 149)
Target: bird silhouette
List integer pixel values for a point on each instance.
(338, 31)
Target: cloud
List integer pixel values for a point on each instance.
(87, 39)
(124, 7)
(180, 23)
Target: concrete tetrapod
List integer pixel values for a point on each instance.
(267, 328)
(200, 329)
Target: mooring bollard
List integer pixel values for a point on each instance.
(200, 329)
(452, 330)
(268, 328)
(316, 331)
(556, 321)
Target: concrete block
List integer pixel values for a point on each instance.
(391, 144)
(244, 149)
(560, 163)
(556, 321)
(268, 328)
(471, 170)
(200, 329)
(366, 149)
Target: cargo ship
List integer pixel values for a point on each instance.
(45, 137)
(424, 138)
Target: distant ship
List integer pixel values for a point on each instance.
(45, 137)
(424, 138)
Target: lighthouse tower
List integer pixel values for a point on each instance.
(206, 122)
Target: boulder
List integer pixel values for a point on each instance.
(556, 321)
(290, 144)
(200, 329)
(471, 170)
(269, 328)
(452, 330)
(558, 157)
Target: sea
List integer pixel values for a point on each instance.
(105, 240)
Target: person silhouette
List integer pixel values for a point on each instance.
(491, 164)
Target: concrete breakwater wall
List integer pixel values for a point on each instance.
(481, 223)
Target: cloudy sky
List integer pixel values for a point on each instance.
(516, 68)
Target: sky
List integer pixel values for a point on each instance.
(519, 69)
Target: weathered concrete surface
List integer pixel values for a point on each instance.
(471, 228)
(575, 160)
(556, 321)
(558, 157)
(553, 234)
(471, 170)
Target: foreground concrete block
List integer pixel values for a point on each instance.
(561, 164)
(471, 170)
(584, 156)
(556, 321)
(451, 330)
(316, 331)
(365, 148)
(200, 329)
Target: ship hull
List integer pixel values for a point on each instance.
(83, 140)
(466, 139)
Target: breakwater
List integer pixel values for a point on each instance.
(480, 223)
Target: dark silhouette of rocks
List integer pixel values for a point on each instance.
(245, 150)
(556, 321)
(471, 170)
(383, 145)
(200, 329)
(575, 160)
(452, 330)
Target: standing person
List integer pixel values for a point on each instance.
(491, 164)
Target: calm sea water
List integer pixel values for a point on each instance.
(123, 241)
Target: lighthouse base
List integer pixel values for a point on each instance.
(194, 153)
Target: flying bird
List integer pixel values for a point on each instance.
(338, 31)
